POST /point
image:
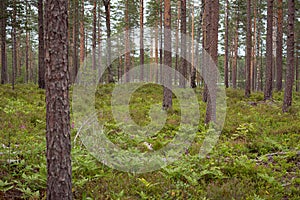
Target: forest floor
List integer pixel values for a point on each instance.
(256, 157)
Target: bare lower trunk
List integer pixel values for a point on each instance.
(167, 101)
(226, 46)
(279, 46)
(183, 48)
(82, 35)
(142, 56)
(248, 51)
(41, 67)
(288, 97)
(269, 52)
(3, 43)
(127, 44)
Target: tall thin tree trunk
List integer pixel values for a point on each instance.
(27, 45)
(142, 56)
(198, 39)
(14, 44)
(94, 39)
(183, 49)
(110, 78)
(193, 64)
(75, 39)
(259, 71)
(236, 48)
(19, 55)
(269, 52)
(3, 42)
(177, 41)
(297, 68)
(161, 41)
(226, 60)
(99, 44)
(206, 42)
(248, 51)
(288, 98)
(41, 67)
(253, 56)
(156, 46)
(127, 43)
(279, 45)
(167, 100)
(82, 35)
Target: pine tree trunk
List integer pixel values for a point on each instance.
(206, 42)
(3, 42)
(59, 184)
(167, 100)
(183, 48)
(279, 45)
(193, 64)
(127, 44)
(41, 67)
(177, 42)
(248, 51)
(161, 41)
(110, 78)
(259, 71)
(75, 39)
(297, 67)
(82, 35)
(156, 46)
(236, 48)
(99, 45)
(269, 52)
(253, 56)
(142, 56)
(226, 45)
(213, 51)
(14, 44)
(94, 39)
(287, 102)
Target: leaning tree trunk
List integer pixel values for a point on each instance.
(269, 52)
(59, 184)
(41, 67)
(287, 102)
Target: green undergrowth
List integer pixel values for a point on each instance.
(256, 157)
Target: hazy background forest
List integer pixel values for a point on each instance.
(254, 45)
